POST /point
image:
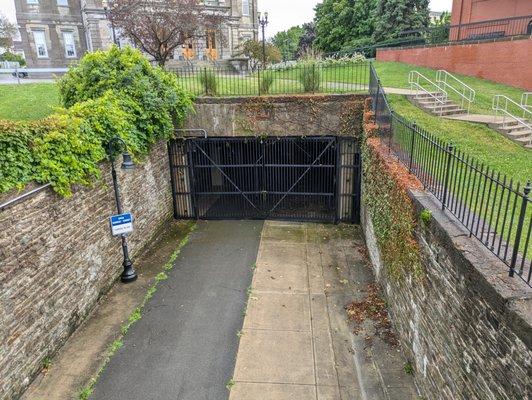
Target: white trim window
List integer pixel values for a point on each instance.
(62, 3)
(39, 37)
(70, 44)
(32, 1)
(245, 7)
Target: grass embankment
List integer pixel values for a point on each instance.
(394, 74)
(476, 140)
(28, 101)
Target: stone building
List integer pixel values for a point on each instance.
(56, 33)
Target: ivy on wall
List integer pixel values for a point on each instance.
(252, 113)
(110, 93)
(385, 186)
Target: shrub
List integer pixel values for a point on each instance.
(7, 56)
(209, 82)
(266, 82)
(152, 95)
(310, 77)
(16, 158)
(112, 93)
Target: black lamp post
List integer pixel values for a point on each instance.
(106, 9)
(114, 146)
(263, 21)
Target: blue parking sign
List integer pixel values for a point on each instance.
(121, 224)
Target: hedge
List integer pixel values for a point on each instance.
(110, 93)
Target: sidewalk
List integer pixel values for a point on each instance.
(296, 342)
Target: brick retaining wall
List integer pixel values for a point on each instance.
(58, 257)
(503, 61)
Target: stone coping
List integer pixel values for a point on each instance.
(281, 98)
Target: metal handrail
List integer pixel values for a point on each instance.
(415, 78)
(524, 101)
(501, 104)
(466, 92)
(24, 196)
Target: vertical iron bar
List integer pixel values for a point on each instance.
(450, 148)
(520, 223)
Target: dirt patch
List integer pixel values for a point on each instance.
(372, 307)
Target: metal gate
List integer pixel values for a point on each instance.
(298, 178)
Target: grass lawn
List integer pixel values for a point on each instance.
(479, 141)
(483, 144)
(28, 101)
(394, 74)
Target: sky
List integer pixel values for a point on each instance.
(283, 14)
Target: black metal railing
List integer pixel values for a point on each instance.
(475, 31)
(494, 208)
(313, 77)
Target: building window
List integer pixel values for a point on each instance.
(245, 7)
(40, 44)
(63, 3)
(70, 45)
(32, 1)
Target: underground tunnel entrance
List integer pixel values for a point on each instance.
(285, 178)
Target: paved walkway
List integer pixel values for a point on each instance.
(185, 344)
(296, 342)
(479, 118)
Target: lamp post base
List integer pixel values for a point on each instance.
(129, 275)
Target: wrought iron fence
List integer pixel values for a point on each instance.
(484, 30)
(316, 77)
(494, 208)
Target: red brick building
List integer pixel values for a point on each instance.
(468, 11)
(476, 11)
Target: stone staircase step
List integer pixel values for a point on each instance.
(524, 141)
(527, 134)
(444, 105)
(448, 113)
(512, 129)
(433, 102)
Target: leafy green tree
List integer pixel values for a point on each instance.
(7, 32)
(343, 24)
(252, 49)
(306, 43)
(396, 16)
(439, 32)
(7, 56)
(288, 42)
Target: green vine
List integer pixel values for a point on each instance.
(391, 210)
(111, 93)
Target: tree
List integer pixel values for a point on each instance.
(396, 16)
(252, 49)
(306, 43)
(7, 32)
(343, 24)
(8, 56)
(288, 42)
(440, 29)
(158, 27)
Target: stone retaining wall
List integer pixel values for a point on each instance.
(57, 257)
(301, 115)
(465, 325)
